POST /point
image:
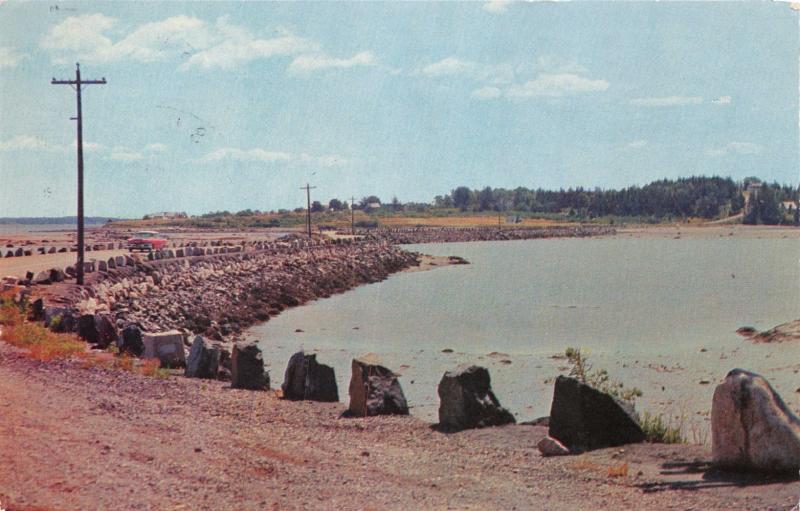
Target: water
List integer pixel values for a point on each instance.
(642, 308)
(28, 228)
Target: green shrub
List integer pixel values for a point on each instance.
(598, 379)
(657, 431)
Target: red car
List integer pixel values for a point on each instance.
(146, 240)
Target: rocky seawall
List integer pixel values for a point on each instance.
(410, 235)
(220, 295)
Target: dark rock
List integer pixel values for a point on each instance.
(87, 329)
(247, 367)
(106, 330)
(374, 389)
(59, 319)
(131, 341)
(204, 358)
(752, 429)
(306, 379)
(467, 401)
(37, 310)
(57, 275)
(583, 418)
(112, 263)
(19, 252)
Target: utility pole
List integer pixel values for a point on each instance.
(308, 189)
(76, 84)
(352, 216)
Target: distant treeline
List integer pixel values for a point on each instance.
(701, 197)
(55, 220)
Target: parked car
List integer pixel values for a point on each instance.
(146, 240)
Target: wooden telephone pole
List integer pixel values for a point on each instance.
(352, 216)
(308, 189)
(76, 84)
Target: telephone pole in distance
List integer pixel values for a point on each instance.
(352, 216)
(308, 189)
(76, 84)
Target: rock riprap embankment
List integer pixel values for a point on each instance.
(407, 235)
(220, 296)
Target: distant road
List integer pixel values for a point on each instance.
(18, 266)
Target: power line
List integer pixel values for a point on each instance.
(76, 84)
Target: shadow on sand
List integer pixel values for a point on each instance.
(712, 477)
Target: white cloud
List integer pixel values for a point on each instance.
(667, 101)
(232, 153)
(264, 156)
(722, 100)
(744, 148)
(309, 63)
(222, 45)
(496, 6)
(26, 143)
(83, 36)
(33, 143)
(637, 144)
(548, 76)
(121, 153)
(9, 58)
(487, 93)
(557, 85)
(155, 148)
(448, 66)
(90, 146)
(236, 45)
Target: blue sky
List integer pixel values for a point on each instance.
(237, 105)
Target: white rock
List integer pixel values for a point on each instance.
(751, 426)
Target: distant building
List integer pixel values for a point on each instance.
(372, 205)
(164, 214)
(788, 206)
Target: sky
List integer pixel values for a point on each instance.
(234, 105)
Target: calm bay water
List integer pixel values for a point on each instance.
(643, 308)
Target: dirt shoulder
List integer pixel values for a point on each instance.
(84, 439)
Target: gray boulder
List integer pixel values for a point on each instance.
(583, 418)
(247, 367)
(466, 400)
(306, 379)
(204, 358)
(43, 277)
(752, 429)
(374, 389)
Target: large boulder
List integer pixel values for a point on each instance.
(466, 400)
(59, 319)
(131, 341)
(106, 330)
(583, 418)
(87, 329)
(751, 427)
(247, 367)
(204, 358)
(306, 379)
(374, 389)
(166, 347)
